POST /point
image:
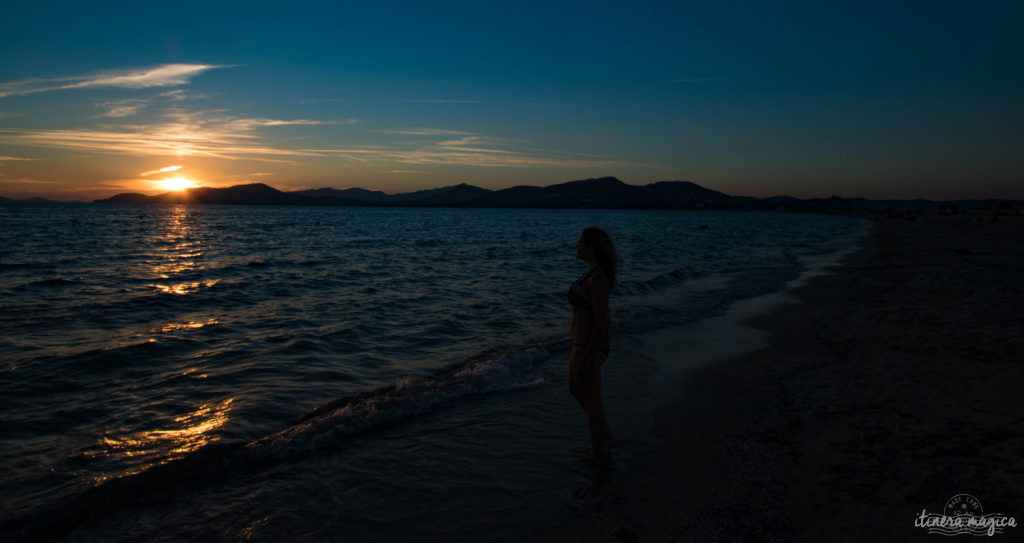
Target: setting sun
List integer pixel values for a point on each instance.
(177, 183)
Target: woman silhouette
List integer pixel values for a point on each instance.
(589, 298)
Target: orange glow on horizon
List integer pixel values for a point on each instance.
(177, 183)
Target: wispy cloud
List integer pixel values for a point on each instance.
(167, 75)
(179, 95)
(184, 133)
(2, 158)
(319, 100)
(161, 170)
(122, 108)
(249, 124)
(428, 132)
(473, 150)
(466, 141)
(214, 134)
(445, 101)
(491, 102)
(29, 181)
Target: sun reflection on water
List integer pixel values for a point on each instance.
(183, 288)
(194, 371)
(190, 325)
(177, 249)
(189, 433)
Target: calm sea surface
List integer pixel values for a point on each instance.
(225, 372)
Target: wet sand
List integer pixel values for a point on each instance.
(884, 389)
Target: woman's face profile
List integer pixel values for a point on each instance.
(581, 249)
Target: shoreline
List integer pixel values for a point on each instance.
(729, 335)
(866, 407)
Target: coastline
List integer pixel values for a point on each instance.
(888, 389)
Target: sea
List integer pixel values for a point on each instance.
(209, 372)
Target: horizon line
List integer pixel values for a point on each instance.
(150, 193)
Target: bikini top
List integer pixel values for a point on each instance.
(577, 298)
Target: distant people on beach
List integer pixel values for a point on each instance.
(588, 296)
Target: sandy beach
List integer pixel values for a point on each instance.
(889, 387)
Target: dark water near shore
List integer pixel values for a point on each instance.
(202, 339)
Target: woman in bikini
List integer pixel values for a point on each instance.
(588, 296)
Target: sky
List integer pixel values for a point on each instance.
(809, 99)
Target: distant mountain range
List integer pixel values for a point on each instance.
(603, 193)
(254, 194)
(36, 200)
(611, 193)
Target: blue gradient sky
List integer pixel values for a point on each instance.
(918, 99)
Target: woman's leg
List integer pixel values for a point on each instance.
(590, 389)
(574, 376)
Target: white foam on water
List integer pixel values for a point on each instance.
(407, 398)
(682, 349)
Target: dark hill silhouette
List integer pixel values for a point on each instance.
(442, 196)
(604, 192)
(599, 193)
(35, 200)
(379, 197)
(432, 196)
(362, 195)
(455, 196)
(611, 193)
(253, 194)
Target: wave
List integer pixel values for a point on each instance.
(323, 428)
(658, 281)
(36, 264)
(406, 398)
(51, 282)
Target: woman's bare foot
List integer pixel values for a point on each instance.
(606, 450)
(603, 456)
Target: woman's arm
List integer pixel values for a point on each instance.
(599, 300)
